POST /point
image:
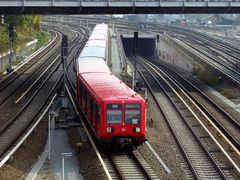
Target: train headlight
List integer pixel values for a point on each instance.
(110, 129)
(137, 129)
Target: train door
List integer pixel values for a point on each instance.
(114, 119)
(97, 117)
(83, 98)
(80, 93)
(88, 109)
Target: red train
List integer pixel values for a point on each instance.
(116, 114)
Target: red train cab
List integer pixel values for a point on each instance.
(117, 114)
(123, 122)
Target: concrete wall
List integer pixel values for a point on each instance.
(19, 55)
(171, 55)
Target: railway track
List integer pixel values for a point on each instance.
(27, 109)
(229, 49)
(128, 166)
(212, 51)
(220, 55)
(6, 80)
(29, 71)
(193, 138)
(219, 62)
(217, 59)
(221, 119)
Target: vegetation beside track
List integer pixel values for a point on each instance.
(26, 28)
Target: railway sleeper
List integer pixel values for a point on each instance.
(215, 151)
(204, 136)
(196, 125)
(227, 168)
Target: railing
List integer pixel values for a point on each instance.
(121, 51)
(119, 6)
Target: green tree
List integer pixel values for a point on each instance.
(26, 27)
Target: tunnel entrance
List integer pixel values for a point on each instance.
(146, 46)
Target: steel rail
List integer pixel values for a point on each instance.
(234, 144)
(35, 82)
(209, 133)
(223, 58)
(204, 57)
(183, 32)
(9, 123)
(41, 53)
(215, 41)
(29, 58)
(211, 39)
(123, 162)
(28, 133)
(187, 123)
(36, 70)
(141, 167)
(22, 132)
(213, 58)
(208, 155)
(39, 109)
(181, 147)
(89, 136)
(158, 158)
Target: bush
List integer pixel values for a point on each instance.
(26, 28)
(206, 75)
(3, 39)
(42, 38)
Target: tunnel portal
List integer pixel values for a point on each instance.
(146, 46)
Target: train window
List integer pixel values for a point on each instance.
(132, 114)
(132, 106)
(114, 113)
(83, 95)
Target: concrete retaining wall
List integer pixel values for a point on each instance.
(18, 56)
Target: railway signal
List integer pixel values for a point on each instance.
(11, 36)
(64, 49)
(64, 56)
(135, 48)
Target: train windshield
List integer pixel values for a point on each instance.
(114, 113)
(132, 114)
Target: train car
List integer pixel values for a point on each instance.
(116, 114)
(97, 45)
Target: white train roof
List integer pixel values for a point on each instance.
(96, 43)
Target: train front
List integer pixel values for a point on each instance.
(124, 122)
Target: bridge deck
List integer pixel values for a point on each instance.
(118, 6)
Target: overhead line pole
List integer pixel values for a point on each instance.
(10, 36)
(64, 56)
(135, 48)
